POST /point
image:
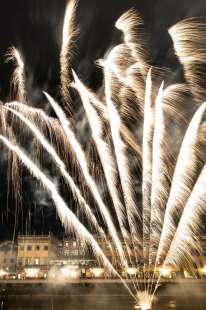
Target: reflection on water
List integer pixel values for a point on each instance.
(102, 303)
(175, 297)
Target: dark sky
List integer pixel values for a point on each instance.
(34, 26)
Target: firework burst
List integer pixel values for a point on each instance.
(166, 229)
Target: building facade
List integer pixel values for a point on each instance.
(35, 253)
(39, 256)
(8, 256)
(70, 252)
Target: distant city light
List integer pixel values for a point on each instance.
(145, 307)
(2, 273)
(165, 272)
(72, 272)
(32, 272)
(131, 271)
(97, 272)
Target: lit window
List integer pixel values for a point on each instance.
(37, 261)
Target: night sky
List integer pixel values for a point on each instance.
(35, 27)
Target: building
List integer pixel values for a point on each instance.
(70, 252)
(46, 257)
(72, 261)
(34, 254)
(8, 256)
(72, 249)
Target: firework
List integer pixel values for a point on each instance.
(18, 78)
(62, 168)
(69, 34)
(166, 229)
(183, 181)
(189, 44)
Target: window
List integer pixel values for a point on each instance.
(46, 248)
(11, 260)
(37, 261)
(29, 247)
(74, 252)
(28, 261)
(21, 248)
(4, 260)
(37, 247)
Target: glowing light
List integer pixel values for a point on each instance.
(145, 307)
(144, 301)
(32, 272)
(186, 274)
(65, 271)
(131, 271)
(2, 273)
(165, 272)
(97, 272)
(71, 272)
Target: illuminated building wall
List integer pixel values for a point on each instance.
(35, 251)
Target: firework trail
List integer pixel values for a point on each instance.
(122, 161)
(18, 80)
(173, 197)
(125, 132)
(186, 239)
(189, 43)
(147, 167)
(50, 125)
(75, 190)
(108, 163)
(68, 38)
(159, 190)
(92, 185)
(130, 24)
(104, 151)
(68, 218)
(182, 183)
